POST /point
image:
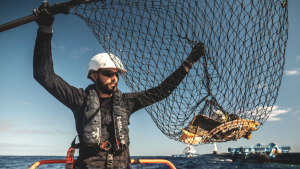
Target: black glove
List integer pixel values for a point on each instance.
(46, 19)
(197, 51)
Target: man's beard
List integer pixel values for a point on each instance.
(106, 88)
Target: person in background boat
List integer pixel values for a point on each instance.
(101, 111)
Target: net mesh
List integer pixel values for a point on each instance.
(240, 73)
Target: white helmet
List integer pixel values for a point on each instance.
(105, 60)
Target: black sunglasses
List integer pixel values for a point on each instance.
(109, 73)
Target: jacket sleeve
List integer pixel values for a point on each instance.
(43, 73)
(156, 94)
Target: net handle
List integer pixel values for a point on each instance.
(57, 8)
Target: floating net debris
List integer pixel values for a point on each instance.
(239, 75)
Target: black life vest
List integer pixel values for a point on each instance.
(92, 135)
(91, 127)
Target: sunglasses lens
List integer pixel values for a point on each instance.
(109, 73)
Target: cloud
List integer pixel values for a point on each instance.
(64, 132)
(24, 103)
(10, 145)
(295, 113)
(80, 51)
(75, 52)
(37, 132)
(5, 126)
(61, 47)
(27, 131)
(298, 57)
(291, 72)
(275, 112)
(260, 86)
(16, 119)
(296, 71)
(41, 122)
(265, 86)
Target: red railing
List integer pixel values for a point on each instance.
(142, 161)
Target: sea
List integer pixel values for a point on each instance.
(199, 162)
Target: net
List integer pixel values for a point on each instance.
(239, 75)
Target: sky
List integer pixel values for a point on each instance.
(32, 122)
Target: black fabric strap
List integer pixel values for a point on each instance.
(110, 159)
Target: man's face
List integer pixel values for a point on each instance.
(108, 81)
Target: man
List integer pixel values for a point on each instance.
(101, 111)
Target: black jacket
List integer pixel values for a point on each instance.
(74, 98)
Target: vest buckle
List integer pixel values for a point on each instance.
(105, 145)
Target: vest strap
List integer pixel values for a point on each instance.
(109, 160)
(70, 158)
(70, 154)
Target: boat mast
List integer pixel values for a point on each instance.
(215, 151)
